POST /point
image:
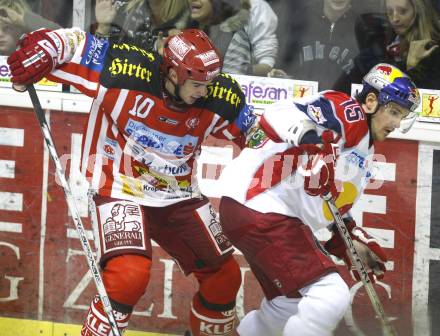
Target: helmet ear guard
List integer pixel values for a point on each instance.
(192, 55)
(394, 86)
(403, 92)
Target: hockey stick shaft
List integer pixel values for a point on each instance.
(73, 210)
(356, 260)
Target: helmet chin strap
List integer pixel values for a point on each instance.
(376, 109)
(369, 120)
(177, 93)
(369, 115)
(173, 99)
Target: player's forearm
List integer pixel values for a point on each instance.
(103, 29)
(286, 124)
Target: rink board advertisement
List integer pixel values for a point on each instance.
(5, 79)
(263, 91)
(44, 274)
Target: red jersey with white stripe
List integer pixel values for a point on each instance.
(138, 145)
(265, 176)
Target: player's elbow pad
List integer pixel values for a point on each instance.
(296, 132)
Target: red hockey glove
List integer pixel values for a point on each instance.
(319, 174)
(372, 255)
(37, 57)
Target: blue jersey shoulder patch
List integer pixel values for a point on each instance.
(321, 112)
(94, 53)
(245, 118)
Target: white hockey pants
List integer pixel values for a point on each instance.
(317, 313)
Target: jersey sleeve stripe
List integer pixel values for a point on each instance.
(90, 129)
(283, 164)
(62, 47)
(117, 108)
(99, 157)
(222, 125)
(88, 86)
(209, 129)
(270, 132)
(228, 135)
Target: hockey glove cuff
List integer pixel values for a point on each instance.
(372, 255)
(319, 175)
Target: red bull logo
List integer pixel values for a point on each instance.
(386, 69)
(414, 97)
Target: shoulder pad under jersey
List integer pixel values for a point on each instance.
(351, 116)
(338, 112)
(225, 97)
(130, 67)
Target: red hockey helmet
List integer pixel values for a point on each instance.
(192, 55)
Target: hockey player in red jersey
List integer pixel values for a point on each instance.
(149, 117)
(302, 150)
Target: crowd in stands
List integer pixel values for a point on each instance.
(334, 42)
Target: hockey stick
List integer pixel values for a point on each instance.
(73, 210)
(388, 329)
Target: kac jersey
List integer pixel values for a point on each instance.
(265, 176)
(136, 145)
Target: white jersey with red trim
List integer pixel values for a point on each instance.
(264, 176)
(138, 145)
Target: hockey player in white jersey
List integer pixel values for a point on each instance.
(271, 203)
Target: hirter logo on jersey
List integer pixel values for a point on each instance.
(315, 113)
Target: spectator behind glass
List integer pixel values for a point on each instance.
(415, 46)
(16, 18)
(373, 32)
(139, 21)
(318, 39)
(243, 31)
(10, 32)
(407, 36)
(59, 12)
(436, 4)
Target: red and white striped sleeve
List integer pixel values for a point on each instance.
(81, 59)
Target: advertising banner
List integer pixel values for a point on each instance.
(44, 274)
(5, 79)
(430, 107)
(261, 91)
